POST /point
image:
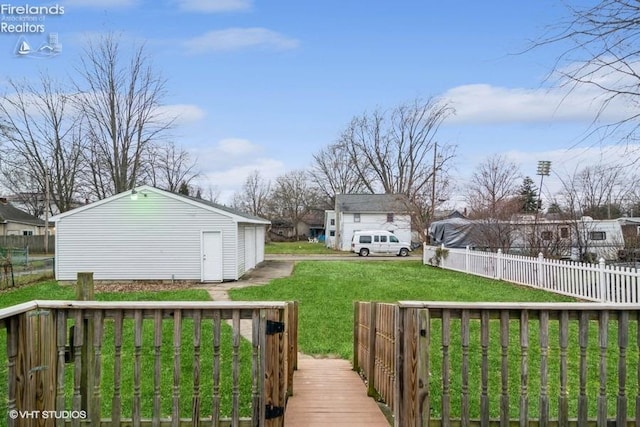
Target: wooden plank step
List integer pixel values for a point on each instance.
(327, 392)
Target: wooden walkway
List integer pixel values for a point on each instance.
(327, 392)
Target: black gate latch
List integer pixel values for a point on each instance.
(272, 412)
(274, 327)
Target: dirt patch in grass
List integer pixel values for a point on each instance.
(144, 286)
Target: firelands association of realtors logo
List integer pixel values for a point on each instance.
(29, 24)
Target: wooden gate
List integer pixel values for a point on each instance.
(151, 363)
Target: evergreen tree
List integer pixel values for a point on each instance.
(184, 188)
(528, 196)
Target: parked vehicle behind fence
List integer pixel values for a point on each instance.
(378, 242)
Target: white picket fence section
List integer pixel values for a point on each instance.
(591, 282)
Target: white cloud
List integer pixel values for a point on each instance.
(182, 113)
(237, 147)
(239, 38)
(228, 152)
(483, 103)
(229, 181)
(227, 164)
(213, 6)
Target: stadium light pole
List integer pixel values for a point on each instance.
(544, 169)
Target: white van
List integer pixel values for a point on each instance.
(378, 242)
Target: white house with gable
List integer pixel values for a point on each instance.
(360, 212)
(151, 234)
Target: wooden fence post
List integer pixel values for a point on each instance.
(371, 362)
(356, 338)
(85, 292)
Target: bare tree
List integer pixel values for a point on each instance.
(396, 152)
(600, 190)
(292, 197)
(210, 193)
(604, 190)
(333, 172)
(393, 152)
(119, 98)
(603, 53)
(493, 184)
(43, 136)
(254, 196)
(595, 191)
(493, 198)
(169, 166)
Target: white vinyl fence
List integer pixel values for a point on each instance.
(591, 282)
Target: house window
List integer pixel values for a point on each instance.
(333, 221)
(27, 233)
(638, 231)
(356, 217)
(564, 232)
(547, 235)
(598, 235)
(389, 217)
(332, 233)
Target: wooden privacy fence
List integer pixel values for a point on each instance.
(34, 243)
(591, 282)
(148, 363)
(503, 364)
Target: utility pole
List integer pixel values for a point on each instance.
(433, 183)
(46, 210)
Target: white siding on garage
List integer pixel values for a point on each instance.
(260, 234)
(156, 237)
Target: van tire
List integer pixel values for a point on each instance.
(364, 252)
(403, 252)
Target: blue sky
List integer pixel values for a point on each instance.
(264, 84)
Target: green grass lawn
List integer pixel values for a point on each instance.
(326, 291)
(52, 291)
(298, 248)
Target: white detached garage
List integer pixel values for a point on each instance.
(152, 234)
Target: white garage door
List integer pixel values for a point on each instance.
(249, 247)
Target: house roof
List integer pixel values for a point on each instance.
(372, 203)
(214, 207)
(251, 218)
(9, 213)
